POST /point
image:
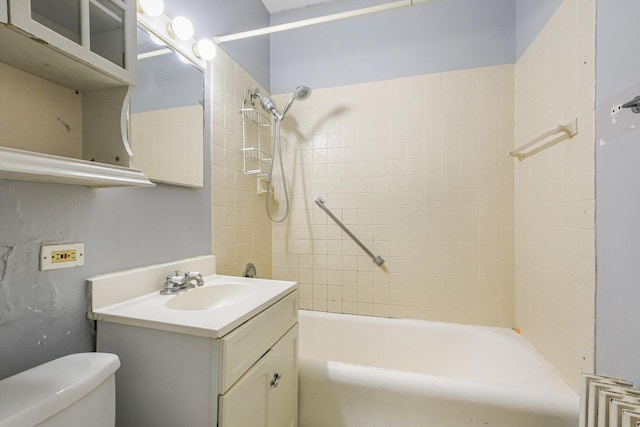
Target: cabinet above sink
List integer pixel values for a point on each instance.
(66, 67)
(85, 45)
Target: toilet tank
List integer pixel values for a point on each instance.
(72, 391)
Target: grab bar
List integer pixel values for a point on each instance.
(378, 260)
(570, 130)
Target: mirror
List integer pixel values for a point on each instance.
(166, 116)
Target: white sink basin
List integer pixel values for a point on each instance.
(208, 297)
(212, 310)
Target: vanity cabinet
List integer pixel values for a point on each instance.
(247, 377)
(67, 66)
(266, 395)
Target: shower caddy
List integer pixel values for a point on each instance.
(255, 161)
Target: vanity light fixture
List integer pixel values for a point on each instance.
(181, 28)
(183, 58)
(150, 7)
(157, 40)
(205, 49)
(177, 34)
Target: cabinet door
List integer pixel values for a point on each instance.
(97, 32)
(267, 394)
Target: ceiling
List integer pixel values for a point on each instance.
(275, 6)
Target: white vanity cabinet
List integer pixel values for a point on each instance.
(267, 394)
(67, 67)
(248, 377)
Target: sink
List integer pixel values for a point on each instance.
(213, 310)
(208, 297)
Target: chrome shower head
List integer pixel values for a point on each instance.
(301, 93)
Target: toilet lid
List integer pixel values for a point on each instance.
(32, 396)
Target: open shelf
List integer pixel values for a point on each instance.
(28, 166)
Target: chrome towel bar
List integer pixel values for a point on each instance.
(378, 260)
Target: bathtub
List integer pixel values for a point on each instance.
(358, 371)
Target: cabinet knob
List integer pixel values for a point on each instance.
(276, 379)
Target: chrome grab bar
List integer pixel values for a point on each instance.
(378, 260)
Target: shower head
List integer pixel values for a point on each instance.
(301, 93)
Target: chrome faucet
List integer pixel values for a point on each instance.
(250, 271)
(176, 283)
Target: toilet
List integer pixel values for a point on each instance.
(72, 391)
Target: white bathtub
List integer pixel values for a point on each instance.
(358, 371)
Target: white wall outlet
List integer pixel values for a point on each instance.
(53, 257)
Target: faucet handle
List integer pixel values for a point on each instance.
(175, 280)
(194, 275)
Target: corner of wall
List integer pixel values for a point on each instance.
(555, 194)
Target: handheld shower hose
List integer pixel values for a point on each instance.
(267, 104)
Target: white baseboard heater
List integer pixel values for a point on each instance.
(608, 402)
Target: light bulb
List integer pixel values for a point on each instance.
(181, 28)
(205, 49)
(150, 7)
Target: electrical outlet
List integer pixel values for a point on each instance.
(53, 257)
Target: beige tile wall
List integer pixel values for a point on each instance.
(417, 169)
(555, 239)
(241, 230)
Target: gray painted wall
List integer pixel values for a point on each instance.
(437, 36)
(43, 314)
(531, 17)
(617, 194)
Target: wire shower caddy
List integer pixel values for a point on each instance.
(255, 161)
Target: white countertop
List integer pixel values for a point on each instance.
(129, 298)
(150, 310)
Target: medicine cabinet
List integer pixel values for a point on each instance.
(66, 68)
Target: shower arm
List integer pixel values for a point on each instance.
(286, 107)
(266, 103)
